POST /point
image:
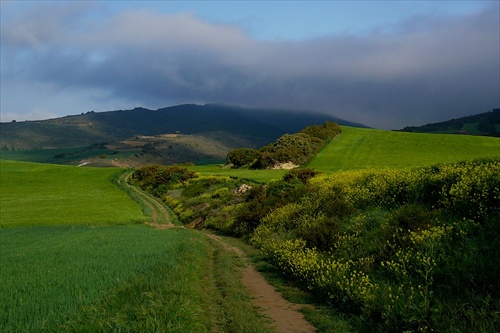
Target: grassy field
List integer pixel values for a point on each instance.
(359, 148)
(43, 194)
(120, 278)
(259, 176)
(74, 260)
(68, 156)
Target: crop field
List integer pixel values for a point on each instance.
(68, 156)
(116, 278)
(360, 148)
(73, 259)
(42, 194)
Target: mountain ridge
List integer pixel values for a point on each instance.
(256, 126)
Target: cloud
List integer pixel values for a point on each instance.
(422, 70)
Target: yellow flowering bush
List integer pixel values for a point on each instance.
(390, 239)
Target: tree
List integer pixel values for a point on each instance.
(242, 156)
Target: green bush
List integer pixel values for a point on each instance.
(158, 179)
(296, 148)
(411, 250)
(241, 157)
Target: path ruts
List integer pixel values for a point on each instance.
(286, 317)
(160, 217)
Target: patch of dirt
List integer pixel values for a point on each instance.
(285, 166)
(286, 316)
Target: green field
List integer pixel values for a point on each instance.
(360, 148)
(73, 259)
(68, 156)
(44, 194)
(120, 278)
(259, 176)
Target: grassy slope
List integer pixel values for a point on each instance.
(43, 194)
(259, 176)
(358, 148)
(72, 155)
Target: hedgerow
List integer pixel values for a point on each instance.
(297, 148)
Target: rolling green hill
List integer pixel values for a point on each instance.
(358, 148)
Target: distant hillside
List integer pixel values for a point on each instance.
(361, 148)
(254, 127)
(487, 123)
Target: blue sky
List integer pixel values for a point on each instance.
(387, 64)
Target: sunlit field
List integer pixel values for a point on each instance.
(44, 194)
(359, 148)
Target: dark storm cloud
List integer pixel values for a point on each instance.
(422, 70)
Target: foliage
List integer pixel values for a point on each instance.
(241, 157)
(158, 179)
(324, 132)
(303, 175)
(409, 247)
(296, 148)
(480, 124)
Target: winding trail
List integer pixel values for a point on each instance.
(286, 317)
(160, 217)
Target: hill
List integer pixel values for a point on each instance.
(177, 134)
(359, 148)
(487, 123)
(255, 126)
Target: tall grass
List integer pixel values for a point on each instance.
(44, 194)
(128, 278)
(359, 148)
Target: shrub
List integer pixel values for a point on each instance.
(158, 179)
(241, 157)
(302, 175)
(411, 217)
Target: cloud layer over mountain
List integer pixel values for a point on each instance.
(421, 70)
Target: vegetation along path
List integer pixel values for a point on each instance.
(286, 317)
(160, 217)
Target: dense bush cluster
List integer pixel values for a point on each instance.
(413, 250)
(296, 148)
(158, 179)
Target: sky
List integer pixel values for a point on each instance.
(385, 64)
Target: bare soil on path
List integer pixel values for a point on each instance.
(286, 317)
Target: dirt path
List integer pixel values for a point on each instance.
(160, 217)
(286, 316)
